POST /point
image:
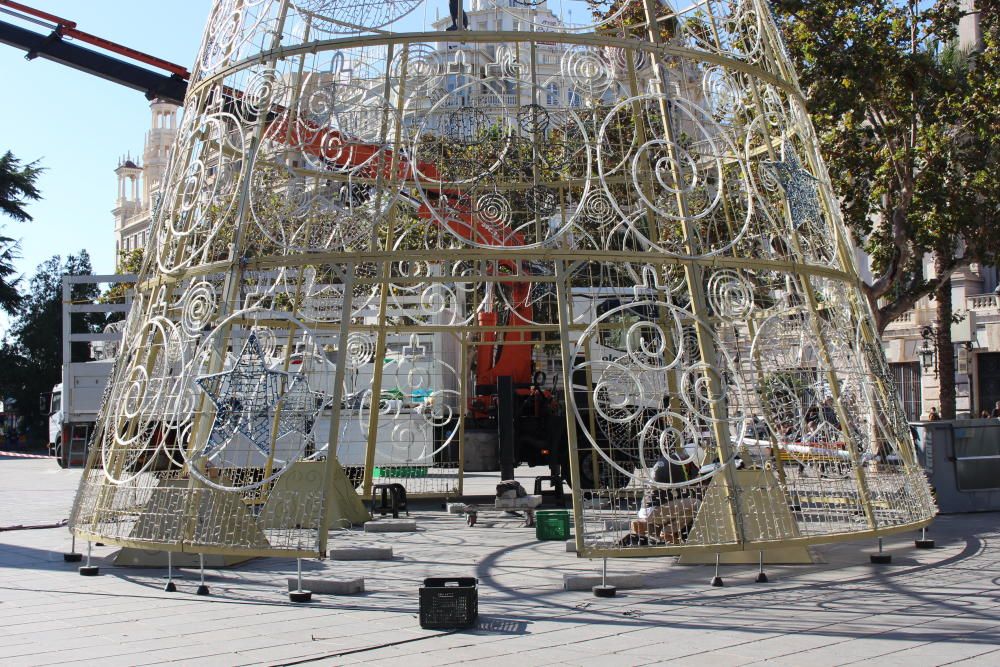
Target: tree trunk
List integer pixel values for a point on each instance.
(945, 348)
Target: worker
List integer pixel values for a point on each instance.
(666, 513)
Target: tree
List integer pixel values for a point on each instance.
(907, 125)
(32, 353)
(129, 261)
(17, 187)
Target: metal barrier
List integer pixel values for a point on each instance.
(962, 460)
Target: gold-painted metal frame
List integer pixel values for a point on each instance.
(353, 199)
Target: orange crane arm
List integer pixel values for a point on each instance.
(66, 28)
(373, 160)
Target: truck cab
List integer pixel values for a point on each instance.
(55, 420)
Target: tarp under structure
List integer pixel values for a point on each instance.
(371, 215)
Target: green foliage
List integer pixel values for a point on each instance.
(32, 353)
(9, 296)
(907, 124)
(17, 188)
(129, 261)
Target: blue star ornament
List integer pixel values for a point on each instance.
(799, 185)
(244, 398)
(300, 407)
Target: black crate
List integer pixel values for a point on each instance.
(449, 602)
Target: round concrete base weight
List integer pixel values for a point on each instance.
(761, 578)
(881, 558)
(300, 596)
(170, 587)
(717, 581)
(89, 571)
(604, 591)
(924, 544)
(202, 590)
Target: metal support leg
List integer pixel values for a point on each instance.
(923, 542)
(604, 591)
(880, 557)
(299, 595)
(72, 556)
(761, 577)
(202, 588)
(717, 580)
(170, 587)
(89, 570)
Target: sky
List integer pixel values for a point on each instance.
(77, 125)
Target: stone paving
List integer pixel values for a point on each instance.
(930, 607)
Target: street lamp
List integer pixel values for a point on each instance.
(927, 351)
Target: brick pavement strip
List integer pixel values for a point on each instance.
(930, 607)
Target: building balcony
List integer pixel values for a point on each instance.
(911, 319)
(906, 319)
(983, 303)
(485, 101)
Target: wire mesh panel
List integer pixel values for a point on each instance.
(372, 218)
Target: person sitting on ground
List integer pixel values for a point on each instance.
(667, 512)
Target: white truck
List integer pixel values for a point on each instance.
(76, 400)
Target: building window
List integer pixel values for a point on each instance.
(574, 99)
(552, 98)
(907, 381)
(988, 379)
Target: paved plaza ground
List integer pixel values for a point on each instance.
(930, 607)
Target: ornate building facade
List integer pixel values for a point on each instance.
(908, 343)
(138, 182)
